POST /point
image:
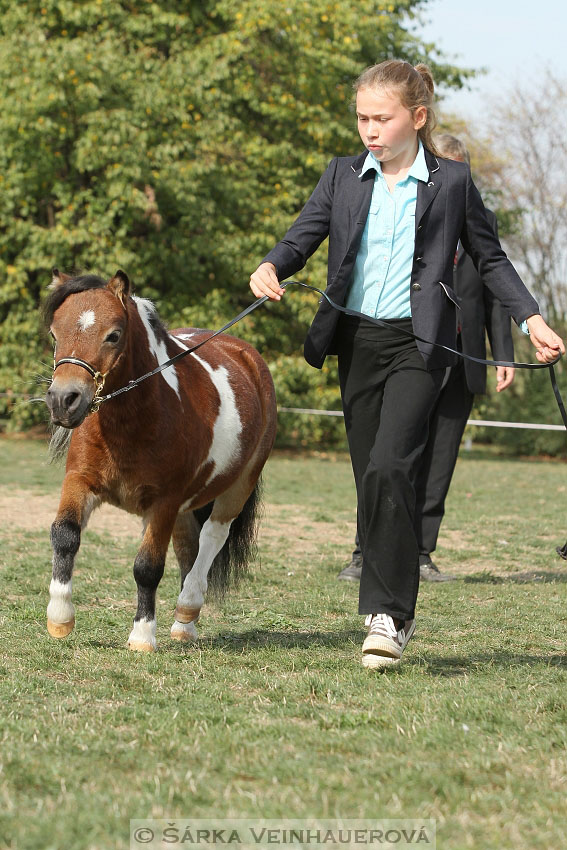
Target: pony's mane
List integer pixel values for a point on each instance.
(75, 284)
(157, 324)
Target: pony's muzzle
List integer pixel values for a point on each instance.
(68, 402)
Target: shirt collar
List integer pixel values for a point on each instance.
(418, 170)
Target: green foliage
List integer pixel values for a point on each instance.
(300, 386)
(529, 399)
(177, 141)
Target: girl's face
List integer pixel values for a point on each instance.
(387, 128)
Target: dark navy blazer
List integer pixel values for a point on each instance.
(480, 310)
(449, 208)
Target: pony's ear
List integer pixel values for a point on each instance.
(119, 285)
(58, 278)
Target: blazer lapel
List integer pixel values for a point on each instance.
(426, 192)
(360, 192)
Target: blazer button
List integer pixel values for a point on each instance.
(416, 287)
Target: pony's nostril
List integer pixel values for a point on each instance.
(71, 402)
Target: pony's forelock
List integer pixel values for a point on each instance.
(81, 283)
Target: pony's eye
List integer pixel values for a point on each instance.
(113, 337)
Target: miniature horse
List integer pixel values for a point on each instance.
(184, 450)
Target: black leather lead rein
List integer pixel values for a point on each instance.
(99, 379)
(390, 326)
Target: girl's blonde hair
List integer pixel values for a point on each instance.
(414, 87)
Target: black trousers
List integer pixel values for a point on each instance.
(446, 426)
(387, 396)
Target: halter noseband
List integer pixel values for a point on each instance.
(97, 377)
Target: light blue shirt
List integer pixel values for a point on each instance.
(381, 280)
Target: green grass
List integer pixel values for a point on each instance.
(271, 715)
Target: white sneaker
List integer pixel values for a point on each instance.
(384, 644)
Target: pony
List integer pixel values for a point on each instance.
(184, 450)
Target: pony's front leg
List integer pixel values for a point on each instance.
(75, 507)
(190, 601)
(148, 570)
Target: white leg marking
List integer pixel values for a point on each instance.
(60, 609)
(211, 540)
(86, 320)
(146, 310)
(143, 634)
(186, 632)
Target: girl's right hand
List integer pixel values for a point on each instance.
(546, 341)
(265, 281)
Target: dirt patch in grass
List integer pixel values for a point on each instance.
(303, 534)
(24, 510)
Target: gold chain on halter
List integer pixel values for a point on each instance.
(99, 379)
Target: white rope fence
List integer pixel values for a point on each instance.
(481, 422)
(489, 423)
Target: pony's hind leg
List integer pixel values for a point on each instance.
(186, 546)
(75, 508)
(212, 538)
(148, 570)
(240, 498)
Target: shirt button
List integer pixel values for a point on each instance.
(416, 287)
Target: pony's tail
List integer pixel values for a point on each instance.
(232, 562)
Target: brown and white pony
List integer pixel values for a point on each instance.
(183, 450)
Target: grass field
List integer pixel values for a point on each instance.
(271, 715)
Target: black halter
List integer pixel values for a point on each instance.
(97, 377)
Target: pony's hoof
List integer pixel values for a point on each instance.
(185, 632)
(140, 646)
(186, 615)
(60, 630)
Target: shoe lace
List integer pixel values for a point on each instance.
(381, 624)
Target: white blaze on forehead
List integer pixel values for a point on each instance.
(225, 447)
(86, 320)
(146, 310)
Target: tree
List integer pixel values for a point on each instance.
(176, 140)
(529, 130)
(520, 164)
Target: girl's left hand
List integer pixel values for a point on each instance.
(504, 377)
(546, 341)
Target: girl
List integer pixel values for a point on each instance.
(394, 215)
